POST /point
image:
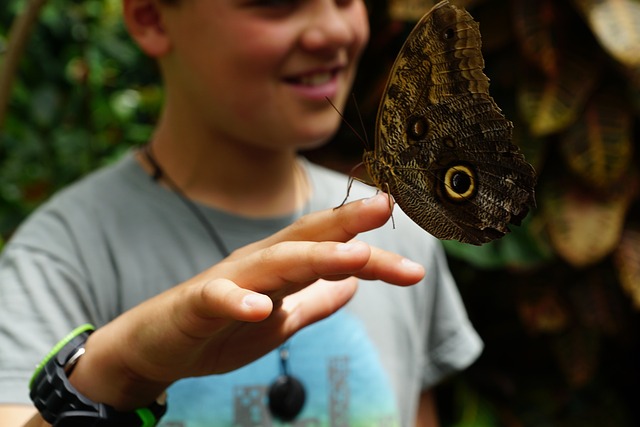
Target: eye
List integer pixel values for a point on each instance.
(449, 33)
(417, 127)
(459, 183)
(273, 4)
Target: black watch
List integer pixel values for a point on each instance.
(62, 405)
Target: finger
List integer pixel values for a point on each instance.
(315, 302)
(252, 340)
(391, 268)
(289, 266)
(337, 225)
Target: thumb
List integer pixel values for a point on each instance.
(221, 300)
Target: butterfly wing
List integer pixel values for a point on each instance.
(443, 148)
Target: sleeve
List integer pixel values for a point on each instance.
(452, 344)
(43, 295)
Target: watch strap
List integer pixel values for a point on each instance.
(62, 405)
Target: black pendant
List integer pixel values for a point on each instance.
(286, 398)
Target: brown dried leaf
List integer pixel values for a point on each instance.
(550, 105)
(534, 148)
(542, 310)
(633, 87)
(627, 261)
(409, 10)
(616, 24)
(583, 228)
(495, 25)
(534, 22)
(413, 10)
(467, 4)
(599, 146)
(596, 302)
(577, 352)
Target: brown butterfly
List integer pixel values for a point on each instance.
(443, 148)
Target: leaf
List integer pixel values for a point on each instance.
(472, 408)
(45, 105)
(583, 228)
(599, 146)
(550, 105)
(616, 25)
(627, 261)
(596, 301)
(542, 309)
(533, 23)
(632, 86)
(413, 10)
(125, 103)
(495, 26)
(409, 10)
(533, 147)
(521, 249)
(577, 352)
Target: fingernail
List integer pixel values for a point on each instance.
(253, 300)
(411, 265)
(373, 199)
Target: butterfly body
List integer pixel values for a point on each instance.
(443, 147)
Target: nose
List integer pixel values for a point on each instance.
(332, 24)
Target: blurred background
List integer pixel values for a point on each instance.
(556, 301)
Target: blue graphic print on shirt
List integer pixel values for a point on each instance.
(335, 360)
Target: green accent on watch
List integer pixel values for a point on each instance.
(64, 341)
(147, 417)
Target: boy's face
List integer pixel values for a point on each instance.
(259, 71)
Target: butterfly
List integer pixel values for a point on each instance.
(443, 148)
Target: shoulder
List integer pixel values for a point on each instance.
(83, 205)
(106, 185)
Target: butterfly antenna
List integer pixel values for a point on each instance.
(344, 120)
(364, 128)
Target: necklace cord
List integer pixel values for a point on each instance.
(159, 174)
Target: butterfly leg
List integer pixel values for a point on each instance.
(351, 179)
(391, 204)
(388, 191)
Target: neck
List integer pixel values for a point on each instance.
(234, 177)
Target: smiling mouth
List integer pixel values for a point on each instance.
(314, 79)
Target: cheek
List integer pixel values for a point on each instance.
(253, 68)
(225, 76)
(361, 25)
(262, 47)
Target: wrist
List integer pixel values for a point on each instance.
(62, 404)
(102, 375)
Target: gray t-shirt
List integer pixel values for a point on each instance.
(116, 238)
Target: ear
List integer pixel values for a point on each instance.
(143, 19)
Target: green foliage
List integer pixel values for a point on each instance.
(519, 249)
(83, 94)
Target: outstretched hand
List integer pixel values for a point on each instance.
(242, 307)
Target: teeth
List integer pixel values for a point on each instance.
(316, 79)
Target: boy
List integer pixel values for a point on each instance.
(197, 258)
